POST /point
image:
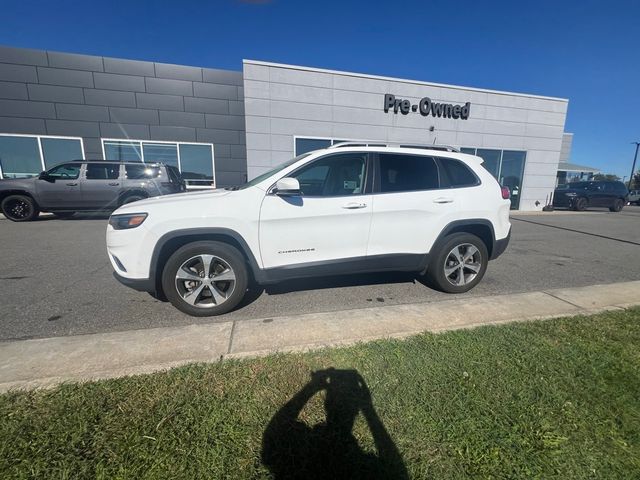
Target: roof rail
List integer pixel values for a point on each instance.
(445, 148)
(349, 144)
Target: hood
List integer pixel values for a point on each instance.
(11, 183)
(176, 198)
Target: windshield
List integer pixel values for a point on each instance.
(267, 174)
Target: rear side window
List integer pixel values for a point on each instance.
(103, 171)
(405, 173)
(140, 172)
(455, 174)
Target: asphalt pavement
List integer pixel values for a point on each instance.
(55, 278)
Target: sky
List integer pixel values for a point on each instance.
(587, 51)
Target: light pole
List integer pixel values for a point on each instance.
(633, 169)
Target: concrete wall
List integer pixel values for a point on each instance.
(282, 101)
(52, 93)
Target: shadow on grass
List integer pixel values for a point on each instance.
(291, 449)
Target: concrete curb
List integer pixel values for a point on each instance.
(28, 364)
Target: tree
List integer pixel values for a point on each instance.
(635, 185)
(608, 177)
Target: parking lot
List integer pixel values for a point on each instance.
(55, 278)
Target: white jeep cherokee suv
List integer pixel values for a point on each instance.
(344, 209)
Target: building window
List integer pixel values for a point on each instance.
(194, 160)
(306, 144)
(27, 155)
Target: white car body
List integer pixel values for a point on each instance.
(281, 233)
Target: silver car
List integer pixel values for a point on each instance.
(86, 186)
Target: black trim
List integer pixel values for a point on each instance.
(406, 262)
(500, 246)
(194, 232)
(462, 226)
(139, 284)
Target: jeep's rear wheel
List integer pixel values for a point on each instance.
(617, 205)
(19, 208)
(205, 278)
(459, 263)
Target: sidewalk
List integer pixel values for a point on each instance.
(46, 362)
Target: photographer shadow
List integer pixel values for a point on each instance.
(291, 449)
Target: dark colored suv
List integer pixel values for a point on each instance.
(581, 195)
(86, 186)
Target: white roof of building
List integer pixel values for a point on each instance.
(572, 167)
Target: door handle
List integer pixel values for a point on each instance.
(72, 184)
(114, 184)
(443, 200)
(354, 205)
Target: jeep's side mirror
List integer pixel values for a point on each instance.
(287, 187)
(44, 176)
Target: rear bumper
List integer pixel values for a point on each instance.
(139, 284)
(500, 246)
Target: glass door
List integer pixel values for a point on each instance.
(511, 173)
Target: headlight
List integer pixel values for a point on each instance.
(127, 220)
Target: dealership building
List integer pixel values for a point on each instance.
(223, 127)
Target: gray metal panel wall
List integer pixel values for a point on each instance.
(53, 93)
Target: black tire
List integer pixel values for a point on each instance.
(131, 198)
(20, 208)
(580, 204)
(204, 304)
(64, 214)
(441, 259)
(617, 205)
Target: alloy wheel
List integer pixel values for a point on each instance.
(462, 264)
(205, 281)
(19, 209)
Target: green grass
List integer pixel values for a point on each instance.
(549, 399)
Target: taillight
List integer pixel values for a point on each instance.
(505, 193)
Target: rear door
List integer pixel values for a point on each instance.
(61, 187)
(415, 197)
(101, 185)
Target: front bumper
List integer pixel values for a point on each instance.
(500, 246)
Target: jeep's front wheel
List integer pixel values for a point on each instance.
(205, 278)
(19, 208)
(459, 263)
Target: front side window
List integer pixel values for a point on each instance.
(333, 176)
(406, 173)
(456, 174)
(103, 171)
(69, 171)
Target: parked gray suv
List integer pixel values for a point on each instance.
(86, 186)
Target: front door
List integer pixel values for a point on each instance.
(511, 174)
(329, 221)
(60, 188)
(101, 185)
